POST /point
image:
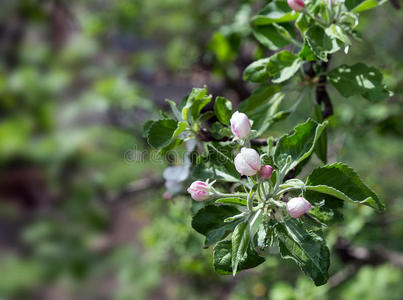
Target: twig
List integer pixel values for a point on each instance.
(134, 188)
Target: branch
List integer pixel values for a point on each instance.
(363, 256)
(322, 95)
(356, 257)
(395, 4)
(134, 188)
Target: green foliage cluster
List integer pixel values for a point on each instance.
(256, 217)
(76, 86)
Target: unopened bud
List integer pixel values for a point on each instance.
(199, 190)
(240, 125)
(265, 172)
(298, 206)
(247, 162)
(296, 5)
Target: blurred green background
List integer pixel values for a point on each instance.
(82, 217)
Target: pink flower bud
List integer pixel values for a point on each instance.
(265, 172)
(199, 190)
(296, 207)
(247, 162)
(240, 125)
(296, 5)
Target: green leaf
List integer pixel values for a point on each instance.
(359, 79)
(321, 146)
(299, 145)
(219, 131)
(283, 65)
(263, 108)
(306, 53)
(209, 221)
(342, 182)
(258, 99)
(217, 163)
(223, 110)
(174, 109)
(204, 171)
(257, 71)
(175, 143)
(361, 5)
(223, 258)
(197, 99)
(337, 32)
(270, 37)
(275, 12)
(222, 156)
(303, 23)
(240, 243)
(307, 249)
(320, 43)
(163, 132)
(236, 201)
(325, 215)
(146, 127)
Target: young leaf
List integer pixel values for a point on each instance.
(306, 248)
(209, 221)
(223, 258)
(320, 43)
(174, 109)
(299, 145)
(217, 164)
(321, 147)
(263, 108)
(359, 79)
(306, 53)
(222, 156)
(240, 243)
(146, 127)
(223, 110)
(257, 71)
(258, 99)
(342, 182)
(361, 5)
(275, 12)
(283, 65)
(235, 201)
(204, 171)
(271, 38)
(337, 32)
(197, 99)
(163, 132)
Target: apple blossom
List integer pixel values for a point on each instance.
(298, 206)
(240, 124)
(199, 190)
(265, 172)
(247, 162)
(296, 5)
